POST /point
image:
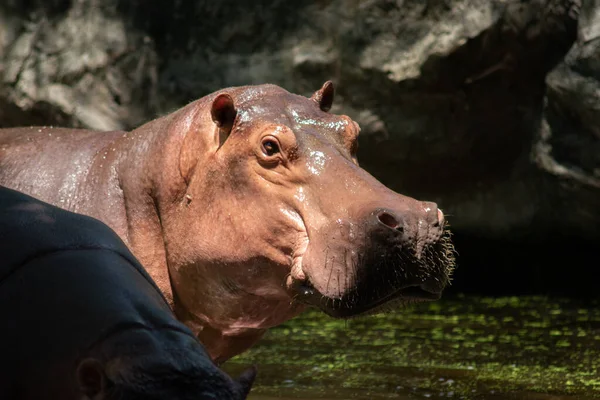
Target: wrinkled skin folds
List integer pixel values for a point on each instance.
(244, 206)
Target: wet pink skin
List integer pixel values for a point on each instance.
(232, 204)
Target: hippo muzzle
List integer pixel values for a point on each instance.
(393, 258)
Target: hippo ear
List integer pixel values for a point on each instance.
(246, 379)
(324, 96)
(91, 378)
(223, 114)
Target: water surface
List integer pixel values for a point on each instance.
(462, 348)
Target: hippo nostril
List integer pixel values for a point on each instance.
(389, 220)
(307, 291)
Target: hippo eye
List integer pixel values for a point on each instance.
(270, 147)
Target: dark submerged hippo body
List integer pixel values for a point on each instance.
(244, 207)
(82, 319)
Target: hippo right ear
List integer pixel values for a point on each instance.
(91, 378)
(324, 96)
(223, 114)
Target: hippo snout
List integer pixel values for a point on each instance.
(397, 253)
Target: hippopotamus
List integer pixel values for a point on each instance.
(245, 207)
(83, 320)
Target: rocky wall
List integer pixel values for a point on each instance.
(489, 108)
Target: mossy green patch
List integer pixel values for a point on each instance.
(461, 348)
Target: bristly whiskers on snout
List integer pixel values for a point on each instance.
(381, 278)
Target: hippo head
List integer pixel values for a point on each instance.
(277, 206)
(96, 382)
(137, 365)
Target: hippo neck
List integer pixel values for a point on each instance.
(152, 184)
(226, 334)
(149, 177)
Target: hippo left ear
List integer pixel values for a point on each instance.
(324, 96)
(91, 378)
(223, 114)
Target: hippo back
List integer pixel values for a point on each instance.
(68, 285)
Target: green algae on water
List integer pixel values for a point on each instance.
(466, 347)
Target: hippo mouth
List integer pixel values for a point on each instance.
(339, 308)
(382, 285)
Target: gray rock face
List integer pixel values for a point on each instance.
(567, 146)
(74, 63)
(489, 108)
